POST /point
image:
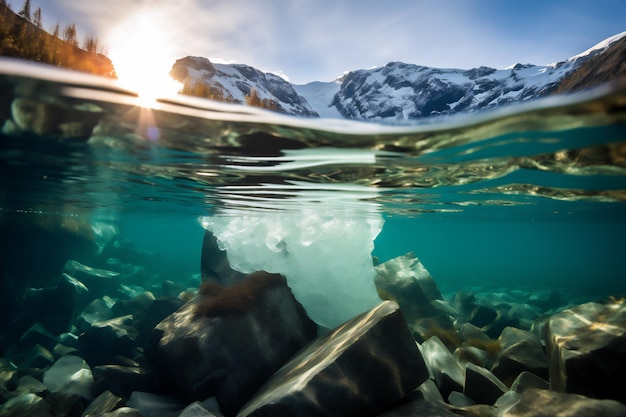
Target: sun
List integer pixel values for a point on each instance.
(143, 54)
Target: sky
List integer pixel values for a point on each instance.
(319, 40)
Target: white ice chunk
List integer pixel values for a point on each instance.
(326, 259)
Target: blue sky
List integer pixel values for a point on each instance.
(309, 40)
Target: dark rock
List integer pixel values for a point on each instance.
(158, 310)
(98, 310)
(214, 264)
(419, 408)
(123, 380)
(405, 281)
(464, 303)
(481, 385)
(99, 281)
(25, 405)
(105, 402)
(136, 306)
(34, 248)
(229, 340)
(54, 308)
(521, 351)
(29, 385)
(65, 405)
(70, 375)
(328, 377)
(543, 403)
(106, 339)
(155, 405)
(482, 316)
(38, 335)
(34, 357)
(445, 368)
(586, 347)
(526, 380)
(171, 289)
(495, 328)
(476, 410)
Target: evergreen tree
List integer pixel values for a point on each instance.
(25, 12)
(37, 18)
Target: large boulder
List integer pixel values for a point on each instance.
(55, 308)
(363, 367)
(586, 347)
(406, 281)
(229, 340)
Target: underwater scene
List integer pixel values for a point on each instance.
(185, 257)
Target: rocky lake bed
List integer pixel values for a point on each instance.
(104, 336)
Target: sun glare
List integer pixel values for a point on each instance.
(143, 54)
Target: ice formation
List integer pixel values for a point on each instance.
(326, 259)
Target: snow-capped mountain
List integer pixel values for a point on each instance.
(400, 91)
(233, 82)
(397, 91)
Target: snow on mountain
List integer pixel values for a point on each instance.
(234, 82)
(320, 96)
(397, 91)
(599, 48)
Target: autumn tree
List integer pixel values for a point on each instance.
(253, 98)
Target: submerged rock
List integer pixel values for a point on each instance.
(99, 281)
(363, 367)
(542, 403)
(482, 386)
(419, 408)
(405, 281)
(55, 308)
(104, 403)
(229, 340)
(521, 351)
(124, 380)
(70, 375)
(25, 405)
(446, 369)
(586, 347)
(214, 264)
(106, 339)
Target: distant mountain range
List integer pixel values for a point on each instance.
(401, 91)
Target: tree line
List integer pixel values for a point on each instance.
(22, 36)
(199, 88)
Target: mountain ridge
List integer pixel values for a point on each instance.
(400, 91)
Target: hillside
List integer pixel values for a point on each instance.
(25, 38)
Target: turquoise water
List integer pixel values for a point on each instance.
(530, 197)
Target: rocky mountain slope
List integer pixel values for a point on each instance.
(236, 81)
(401, 91)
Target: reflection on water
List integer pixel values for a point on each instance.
(73, 141)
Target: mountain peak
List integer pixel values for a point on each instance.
(403, 91)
